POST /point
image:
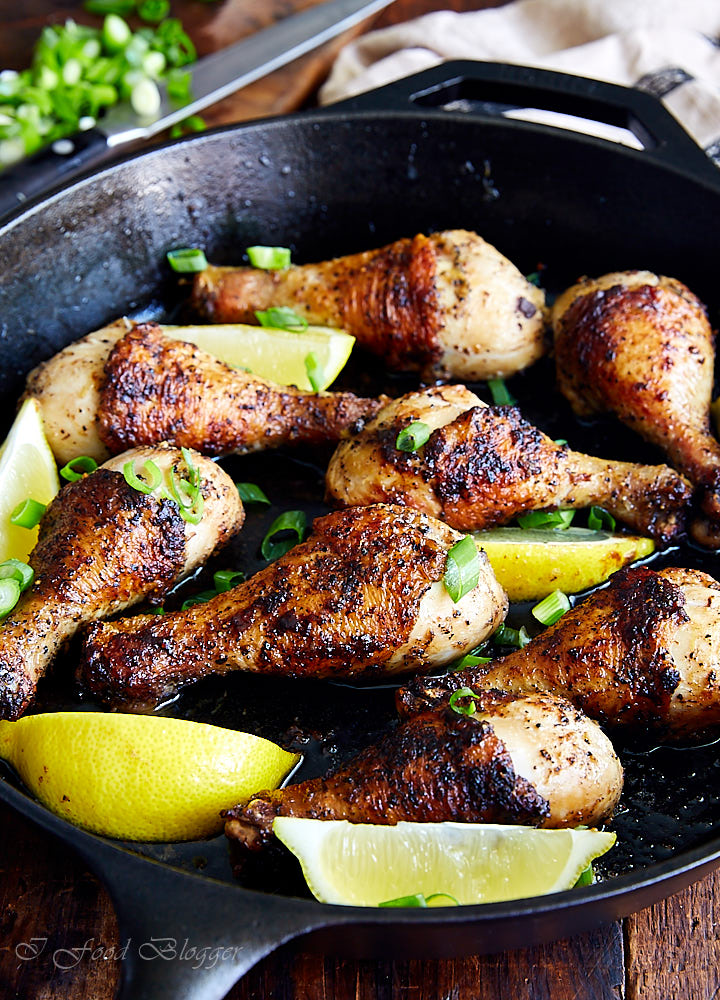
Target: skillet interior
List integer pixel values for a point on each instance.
(326, 184)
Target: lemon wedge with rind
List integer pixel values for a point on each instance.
(277, 355)
(363, 865)
(27, 469)
(138, 777)
(531, 563)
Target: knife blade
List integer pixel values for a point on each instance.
(213, 78)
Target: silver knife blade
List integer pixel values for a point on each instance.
(222, 73)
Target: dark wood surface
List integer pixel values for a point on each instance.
(668, 952)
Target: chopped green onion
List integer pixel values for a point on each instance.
(586, 877)
(15, 570)
(558, 519)
(551, 608)
(193, 471)
(187, 260)
(417, 900)
(192, 124)
(28, 513)
(153, 11)
(506, 636)
(282, 318)
(561, 441)
(600, 519)
(290, 521)
(116, 33)
(202, 598)
(78, 467)
(462, 569)
(413, 436)
(470, 660)
(500, 393)
(9, 596)
(145, 98)
(269, 258)
(178, 86)
(314, 371)
(226, 579)
(120, 7)
(533, 278)
(188, 497)
(153, 476)
(251, 493)
(463, 695)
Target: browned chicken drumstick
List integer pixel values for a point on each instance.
(104, 546)
(484, 465)
(447, 305)
(119, 388)
(534, 760)
(363, 596)
(640, 345)
(644, 652)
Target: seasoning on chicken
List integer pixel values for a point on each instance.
(640, 345)
(119, 388)
(447, 305)
(103, 546)
(484, 465)
(534, 760)
(362, 596)
(644, 652)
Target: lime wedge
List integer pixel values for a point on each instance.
(27, 469)
(277, 355)
(364, 865)
(531, 563)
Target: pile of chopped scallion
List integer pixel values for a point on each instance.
(78, 71)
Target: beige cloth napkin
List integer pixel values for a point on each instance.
(670, 48)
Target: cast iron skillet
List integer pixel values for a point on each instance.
(382, 166)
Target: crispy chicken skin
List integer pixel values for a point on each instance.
(363, 596)
(104, 546)
(447, 305)
(644, 652)
(132, 384)
(484, 465)
(640, 345)
(534, 760)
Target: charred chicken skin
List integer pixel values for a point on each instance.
(640, 345)
(119, 388)
(642, 653)
(447, 305)
(484, 465)
(104, 546)
(362, 596)
(534, 760)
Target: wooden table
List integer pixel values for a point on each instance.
(668, 952)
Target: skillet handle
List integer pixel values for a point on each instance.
(485, 84)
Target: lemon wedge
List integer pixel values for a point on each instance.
(531, 563)
(277, 355)
(27, 469)
(140, 777)
(364, 865)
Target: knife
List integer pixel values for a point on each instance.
(214, 77)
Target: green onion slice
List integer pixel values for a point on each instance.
(251, 493)
(413, 436)
(188, 497)
(465, 695)
(551, 608)
(28, 513)
(558, 519)
(462, 569)
(269, 258)
(187, 260)
(506, 636)
(153, 11)
(78, 467)
(153, 476)
(120, 7)
(226, 579)
(500, 393)
(533, 278)
(201, 598)
(281, 318)
(13, 569)
(600, 519)
(9, 595)
(291, 521)
(314, 371)
(470, 660)
(416, 900)
(586, 877)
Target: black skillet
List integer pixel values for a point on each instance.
(426, 153)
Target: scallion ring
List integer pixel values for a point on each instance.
(14, 569)
(412, 437)
(281, 318)
(600, 519)
(78, 467)
(153, 476)
(462, 569)
(291, 521)
(187, 260)
(558, 519)
(9, 595)
(551, 608)
(500, 393)
(506, 636)
(269, 258)
(201, 598)
(28, 513)
(251, 493)
(226, 579)
(463, 701)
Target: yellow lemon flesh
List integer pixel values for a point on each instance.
(531, 563)
(364, 865)
(27, 470)
(277, 355)
(138, 777)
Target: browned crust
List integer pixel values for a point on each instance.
(436, 767)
